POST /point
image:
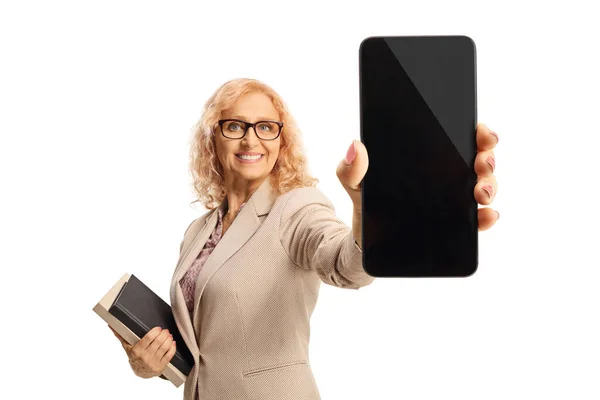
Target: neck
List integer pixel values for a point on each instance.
(239, 193)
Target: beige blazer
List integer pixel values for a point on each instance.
(255, 295)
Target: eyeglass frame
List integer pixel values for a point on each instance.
(248, 126)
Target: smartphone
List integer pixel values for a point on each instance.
(418, 119)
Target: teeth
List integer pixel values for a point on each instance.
(246, 157)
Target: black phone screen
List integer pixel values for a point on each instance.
(418, 123)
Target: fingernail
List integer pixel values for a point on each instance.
(489, 189)
(350, 154)
(495, 135)
(498, 217)
(492, 162)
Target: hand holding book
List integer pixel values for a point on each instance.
(145, 325)
(149, 357)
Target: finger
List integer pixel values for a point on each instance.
(149, 337)
(158, 341)
(352, 169)
(485, 163)
(487, 218)
(486, 138)
(127, 347)
(164, 347)
(485, 190)
(169, 354)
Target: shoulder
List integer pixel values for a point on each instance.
(197, 224)
(192, 230)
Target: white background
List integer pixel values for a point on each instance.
(97, 100)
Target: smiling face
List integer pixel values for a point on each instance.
(248, 160)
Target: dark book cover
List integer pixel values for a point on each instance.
(140, 309)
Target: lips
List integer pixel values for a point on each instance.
(249, 156)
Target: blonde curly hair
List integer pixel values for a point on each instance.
(290, 170)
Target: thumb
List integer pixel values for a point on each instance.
(121, 339)
(352, 169)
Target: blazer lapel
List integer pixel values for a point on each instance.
(245, 224)
(197, 244)
(178, 306)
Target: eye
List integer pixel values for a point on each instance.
(233, 126)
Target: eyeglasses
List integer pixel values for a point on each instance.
(237, 129)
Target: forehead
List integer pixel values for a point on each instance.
(252, 106)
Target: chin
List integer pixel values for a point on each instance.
(252, 176)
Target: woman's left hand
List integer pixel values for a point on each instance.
(353, 168)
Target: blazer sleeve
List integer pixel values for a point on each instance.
(317, 240)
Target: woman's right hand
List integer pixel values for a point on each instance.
(149, 357)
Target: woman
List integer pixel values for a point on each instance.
(244, 311)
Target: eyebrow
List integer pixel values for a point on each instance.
(259, 118)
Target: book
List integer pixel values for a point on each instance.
(132, 309)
